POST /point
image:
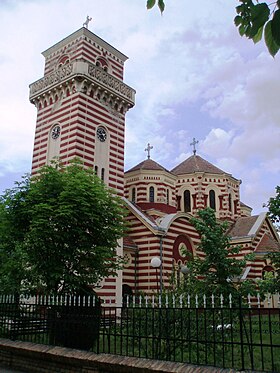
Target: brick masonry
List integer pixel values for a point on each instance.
(35, 358)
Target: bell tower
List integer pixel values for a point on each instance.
(81, 105)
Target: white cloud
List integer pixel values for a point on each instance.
(194, 77)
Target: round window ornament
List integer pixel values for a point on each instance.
(182, 250)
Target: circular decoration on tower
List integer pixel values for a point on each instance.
(101, 134)
(55, 132)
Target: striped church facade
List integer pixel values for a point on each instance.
(81, 103)
(160, 227)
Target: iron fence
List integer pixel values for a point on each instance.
(215, 331)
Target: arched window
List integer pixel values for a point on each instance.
(152, 194)
(102, 63)
(187, 201)
(133, 195)
(96, 170)
(102, 174)
(212, 199)
(64, 60)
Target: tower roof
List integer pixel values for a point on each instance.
(148, 164)
(84, 32)
(196, 164)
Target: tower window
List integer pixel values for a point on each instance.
(152, 194)
(102, 174)
(187, 201)
(229, 202)
(167, 196)
(96, 170)
(133, 195)
(212, 199)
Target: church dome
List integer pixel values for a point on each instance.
(196, 164)
(148, 165)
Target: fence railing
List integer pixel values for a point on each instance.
(216, 331)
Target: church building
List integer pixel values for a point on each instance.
(81, 105)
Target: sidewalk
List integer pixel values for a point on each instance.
(7, 370)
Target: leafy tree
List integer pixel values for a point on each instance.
(274, 206)
(271, 284)
(254, 19)
(214, 274)
(59, 231)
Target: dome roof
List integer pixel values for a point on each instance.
(148, 164)
(196, 164)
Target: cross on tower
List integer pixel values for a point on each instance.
(148, 149)
(193, 144)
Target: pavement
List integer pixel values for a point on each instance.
(7, 370)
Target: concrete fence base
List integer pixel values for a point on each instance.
(35, 358)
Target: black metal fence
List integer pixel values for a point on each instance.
(221, 334)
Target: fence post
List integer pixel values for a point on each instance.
(241, 333)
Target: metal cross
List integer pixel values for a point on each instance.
(148, 149)
(193, 144)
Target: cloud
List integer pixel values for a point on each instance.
(194, 77)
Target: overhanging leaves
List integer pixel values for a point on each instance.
(275, 27)
(150, 3)
(160, 3)
(253, 18)
(270, 42)
(260, 15)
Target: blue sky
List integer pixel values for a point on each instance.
(194, 77)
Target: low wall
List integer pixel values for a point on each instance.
(35, 358)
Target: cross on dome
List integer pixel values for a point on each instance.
(148, 150)
(193, 144)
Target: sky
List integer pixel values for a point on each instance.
(193, 74)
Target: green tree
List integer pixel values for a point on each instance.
(274, 206)
(254, 20)
(59, 231)
(215, 272)
(271, 284)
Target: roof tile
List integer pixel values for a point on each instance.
(267, 244)
(196, 164)
(148, 164)
(242, 226)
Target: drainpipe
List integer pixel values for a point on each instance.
(160, 257)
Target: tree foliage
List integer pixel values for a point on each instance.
(216, 271)
(58, 231)
(274, 206)
(254, 20)
(272, 283)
